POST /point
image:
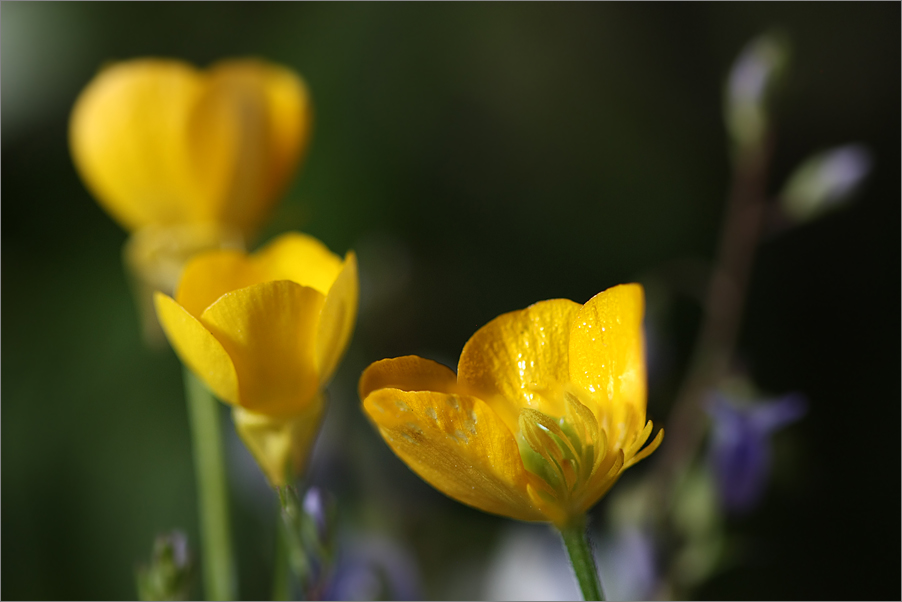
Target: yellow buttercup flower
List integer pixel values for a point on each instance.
(159, 142)
(187, 160)
(547, 408)
(265, 333)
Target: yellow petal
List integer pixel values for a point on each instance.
(517, 353)
(272, 105)
(159, 142)
(127, 135)
(281, 445)
(269, 331)
(198, 348)
(292, 256)
(648, 448)
(155, 257)
(336, 322)
(603, 479)
(225, 145)
(300, 258)
(458, 445)
(209, 276)
(408, 373)
(607, 355)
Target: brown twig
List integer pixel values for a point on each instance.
(724, 304)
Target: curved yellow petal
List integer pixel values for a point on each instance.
(159, 142)
(198, 348)
(127, 136)
(517, 353)
(292, 256)
(272, 106)
(210, 275)
(301, 258)
(408, 373)
(155, 257)
(602, 480)
(281, 445)
(648, 449)
(337, 319)
(224, 141)
(458, 445)
(607, 352)
(269, 331)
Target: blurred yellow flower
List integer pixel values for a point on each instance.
(265, 332)
(546, 411)
(159, 142)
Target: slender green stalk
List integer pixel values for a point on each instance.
(281, 582)
(577, 542)
(212, 492)
(291, 536)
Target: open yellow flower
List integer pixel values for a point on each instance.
(265, 333)
(159, 142)
(546, 411)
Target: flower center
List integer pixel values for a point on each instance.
(562, 452)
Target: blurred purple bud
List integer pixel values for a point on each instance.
(529, 563)
(750, 85)
(178, 544)
(373, 568)
(315, 508)
(740, 453)
(749, 76)
(627, 565)
(168, 575)
(825, 180)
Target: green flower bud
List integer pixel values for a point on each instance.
(169, 574)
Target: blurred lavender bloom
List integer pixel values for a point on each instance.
(825, 180)
(740, 452)
(168, 575)
(373, 568)
(529, 564)
(751, 82)
(627, 564)
(749, 76)
(315, 507)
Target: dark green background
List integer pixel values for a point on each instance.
(478, 157)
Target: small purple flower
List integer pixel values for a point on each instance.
(825, 181)
(749, 77)
(751, 83)
(740, 452)
(373, 568)
(316, 506)
(628, 566)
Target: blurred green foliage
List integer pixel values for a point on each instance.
(479, 158)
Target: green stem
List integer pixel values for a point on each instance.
(281, 583)
(577, 542)
(212, 492)
(291, 536)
